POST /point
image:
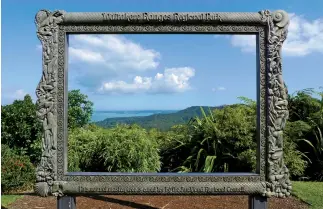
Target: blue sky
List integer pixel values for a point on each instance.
(159, 71)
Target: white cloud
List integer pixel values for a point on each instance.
(171, 81)
(95, 58)
(247, 43)
(85, 55)
(220, 88)
(304, 37)
(19, 94)
(113, 51)
(139, 84)
(103, 62)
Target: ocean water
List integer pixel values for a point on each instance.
(101, 115)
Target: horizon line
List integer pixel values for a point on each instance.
(100, 110)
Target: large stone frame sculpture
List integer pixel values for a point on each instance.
(271, 177)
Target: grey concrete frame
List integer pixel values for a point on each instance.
(271, 177)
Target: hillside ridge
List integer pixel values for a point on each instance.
(161, 121)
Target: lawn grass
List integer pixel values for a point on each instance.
(310, 192)
(7, 199)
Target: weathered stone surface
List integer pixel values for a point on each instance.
(272, 176)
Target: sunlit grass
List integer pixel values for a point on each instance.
(8, 199)
(310, 192)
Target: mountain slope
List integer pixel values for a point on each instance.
(160, 121)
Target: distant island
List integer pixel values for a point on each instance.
(162, 121)
(104, 114)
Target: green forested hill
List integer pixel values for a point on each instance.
(160, 121)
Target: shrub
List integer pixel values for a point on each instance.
(222, 141)
(306, 118)
(294, 159)
(80, 109)
(170, 145)
(17, 172)
(125, 148)
(21, 129)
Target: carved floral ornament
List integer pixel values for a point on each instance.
(273, 177)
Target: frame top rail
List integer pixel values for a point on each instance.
(162, 17)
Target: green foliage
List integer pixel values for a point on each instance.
(294, 159)
(20, 127)
(224, 140)
(251, 103)
(317, 151)
(216, 142)
(80, 109)
(304, 105)
(17, 172)
(124, 148)
(172, 146)
(307, 119)
(197, 139)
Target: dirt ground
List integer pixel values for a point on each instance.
(155, 202)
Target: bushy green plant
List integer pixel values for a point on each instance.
(125, 148)
(17, 172)
(306, 109)
(172, 146)
(21, 129)
(316, 146)
(295, 160)
(80, 109)
(225, 140)
(214, 142)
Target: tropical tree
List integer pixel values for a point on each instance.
(80, 109)
(308, 115)
(20, 127)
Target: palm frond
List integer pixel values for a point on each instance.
(198, 158)
(209, 163)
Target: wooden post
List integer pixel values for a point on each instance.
(258, 202)
(66, 202)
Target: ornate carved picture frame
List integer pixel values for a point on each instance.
(271, 176)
